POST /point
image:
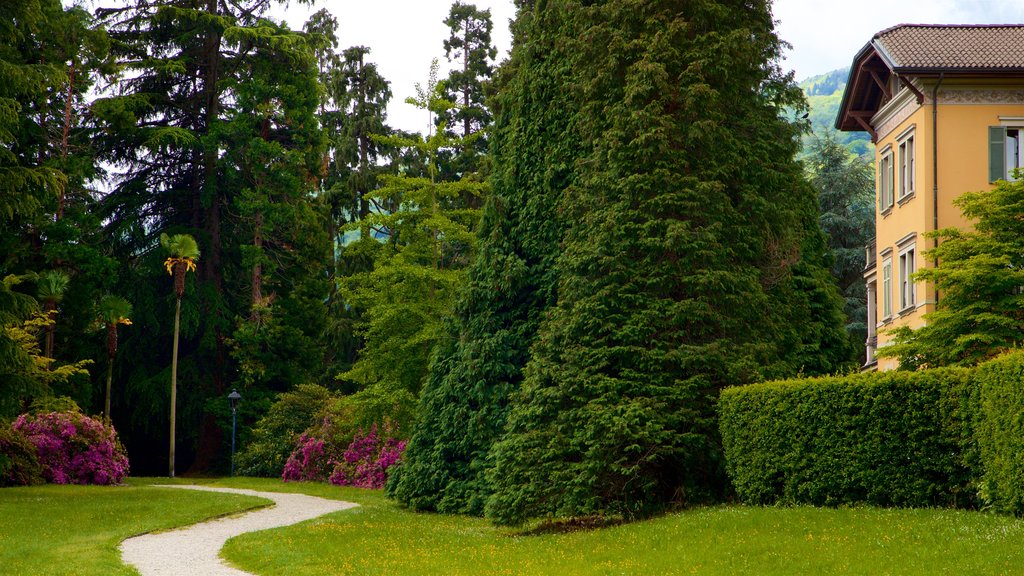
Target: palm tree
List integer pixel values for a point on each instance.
(50, 291)
(113, 310)
(183, 252)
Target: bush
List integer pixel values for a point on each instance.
(367, 459)
(19, 465)
(1001, 432)
(363, 463)
(74, 449)
(276, 434)
(308, 462)
(891, 439)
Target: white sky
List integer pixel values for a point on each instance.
(405, 35)
(827, 34)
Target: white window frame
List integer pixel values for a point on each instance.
(887, 286)
(1014, 154)
(907, 165)
(908, 265)
(1006, 143)
(886, 168)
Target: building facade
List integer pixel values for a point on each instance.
(944, 105)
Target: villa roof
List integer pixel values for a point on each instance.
(920, 47)
(926, 50)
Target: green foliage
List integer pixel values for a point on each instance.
(887, 439)
(1001, 432)
(19, 464)
(464, 404)
(180, 246)
(846, 192)
(981, 310)
(426, 230)
(469, 48)
(275, 434)
(691, 259)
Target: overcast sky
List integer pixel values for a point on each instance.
(404, 35)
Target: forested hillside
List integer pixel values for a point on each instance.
(824, 94)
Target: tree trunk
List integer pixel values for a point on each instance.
(66, 134)
(106, 404)
(257, 268)
(111, 352)
(174, 381)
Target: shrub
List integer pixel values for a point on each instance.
(308, 462)
(276, 433)
(367, 459)
(19, 465)
(894, 438)
(74, 449)
(363, 463)
(1001, 432)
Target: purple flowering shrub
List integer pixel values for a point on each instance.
(367, 459)
(307, 463)
(73, 448)
(362, 464)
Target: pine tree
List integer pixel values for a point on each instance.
(691, 260)
(469, 48)
(214, 134)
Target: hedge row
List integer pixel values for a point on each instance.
(1000, 432)
(888, 439)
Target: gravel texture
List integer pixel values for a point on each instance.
(195, 550)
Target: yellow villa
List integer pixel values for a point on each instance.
(944, 105)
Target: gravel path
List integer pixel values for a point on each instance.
(195, 550)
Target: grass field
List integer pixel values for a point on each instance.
(75, 530)
(381, 538)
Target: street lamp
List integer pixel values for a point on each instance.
(233, 399)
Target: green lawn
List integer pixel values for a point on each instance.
(75, 530)
(381, 538)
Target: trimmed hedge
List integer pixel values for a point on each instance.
(888, 439)
(1001, 432)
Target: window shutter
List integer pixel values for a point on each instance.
(996, 153)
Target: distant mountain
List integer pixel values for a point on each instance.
(824, 94)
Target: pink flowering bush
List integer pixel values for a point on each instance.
(362, 464)
(365, 462)
(73, 448)
(307, 463)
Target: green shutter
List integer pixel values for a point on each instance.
(996, 153)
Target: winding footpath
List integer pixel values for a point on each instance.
(195, 550)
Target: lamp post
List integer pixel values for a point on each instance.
(233, 399)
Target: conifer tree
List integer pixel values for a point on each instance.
(845, 185)
(213, 131)
(691, 260)
(469, 49)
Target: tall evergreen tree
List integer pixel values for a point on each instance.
(511, 283)
(691, 260)
(469, 48)
(846, 192)
(212, 129)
